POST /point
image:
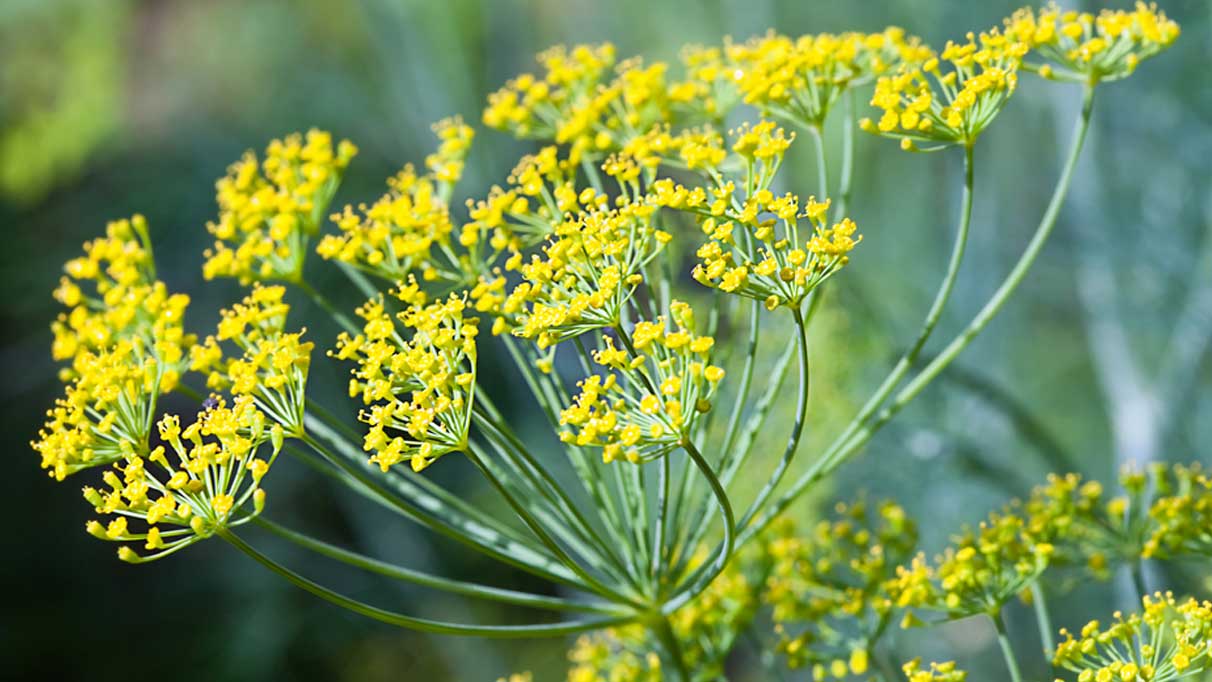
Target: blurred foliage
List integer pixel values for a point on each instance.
(116, 107)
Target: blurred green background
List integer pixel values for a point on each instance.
(110, 108)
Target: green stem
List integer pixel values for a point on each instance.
(1042, 618)
(1137, 569)
(319, 299)
(705, 576)
(423, 624)
(822, 171)
(669, 641)
(426, 580)
(1007, 651)
(845, 183)
(957, 345)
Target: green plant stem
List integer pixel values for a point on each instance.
(422, 624)
(1042, 618)
(822, 170)
(959, 343)
(1003, 641)
(797, 428)
(427, 580)
(845, 183)
(669, 641)
(1137, 569)
(705, 576)
(319, 299)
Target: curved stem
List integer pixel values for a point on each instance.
(705, 577)
(423, 624)
(940, 362)
(797, 429)
(427, 580)
(1007, 651)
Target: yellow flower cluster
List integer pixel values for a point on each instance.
(826, 588)
(269, 211)
(937, 672)
(576, 101)
(106, 413)
(981, 572)
(272, 366)
(666, 382)
(602, 657)
(1091, 48)
(113, 295)
(1168, 640)
(800, 80)
(927, 104)
(1181, 515)
(197, 487)
(586, 273)
(401, 232)
(422, 387)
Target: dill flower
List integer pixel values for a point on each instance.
(1083, 47)
(647, 405)
(1181, 513)
(269, 211)
(922, 104)
(273, 364)
(113, 295)
(195, 488)
(401, 232)
(984, 569)
(800, 80)
(420, 389)
(1167, 640)
(585, 274)
(106, 412)
(706, 93)
(937, 672)
(603, 657)
(826, 588)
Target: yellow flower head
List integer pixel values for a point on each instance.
(927, 104)
(826, 587)
(418, 378)
(269, 211)
(112, 295)
(1084, 47)
(659, 383)
(1166, 640)
(586, 273)
(937, 672)
(800, 80)
(199, 485)
(272, 365)
(106, 412)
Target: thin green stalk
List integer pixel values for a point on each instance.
(427, 580)
(1042, 618)
(822, 171)
(1137, 569)
(423, 624)
(359, 280)
(319, 299)
(1007, 651)
(669, 641)
(658, 541)
(797, 428)
(845, 182)
(957, 345)
(705, 576)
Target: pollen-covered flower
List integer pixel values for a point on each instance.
(417, 377)
(585, 274)
(951, 99)
(409, 229)
(1083, 47)
(196, 487)
(648, 404)
(984, 569)
(799, 80)
(937, 672)
(272, 364)
(826, 588)
(1167, 640)
(1181, 514)
(113, 295)
(107, 411)
(269, 211)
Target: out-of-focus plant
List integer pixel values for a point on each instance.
(576, 267)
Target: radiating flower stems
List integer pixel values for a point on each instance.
(669, 641)
(422, 624)
(1003, 641)
(1042, 618)
(423, 579)
(1018, 273)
